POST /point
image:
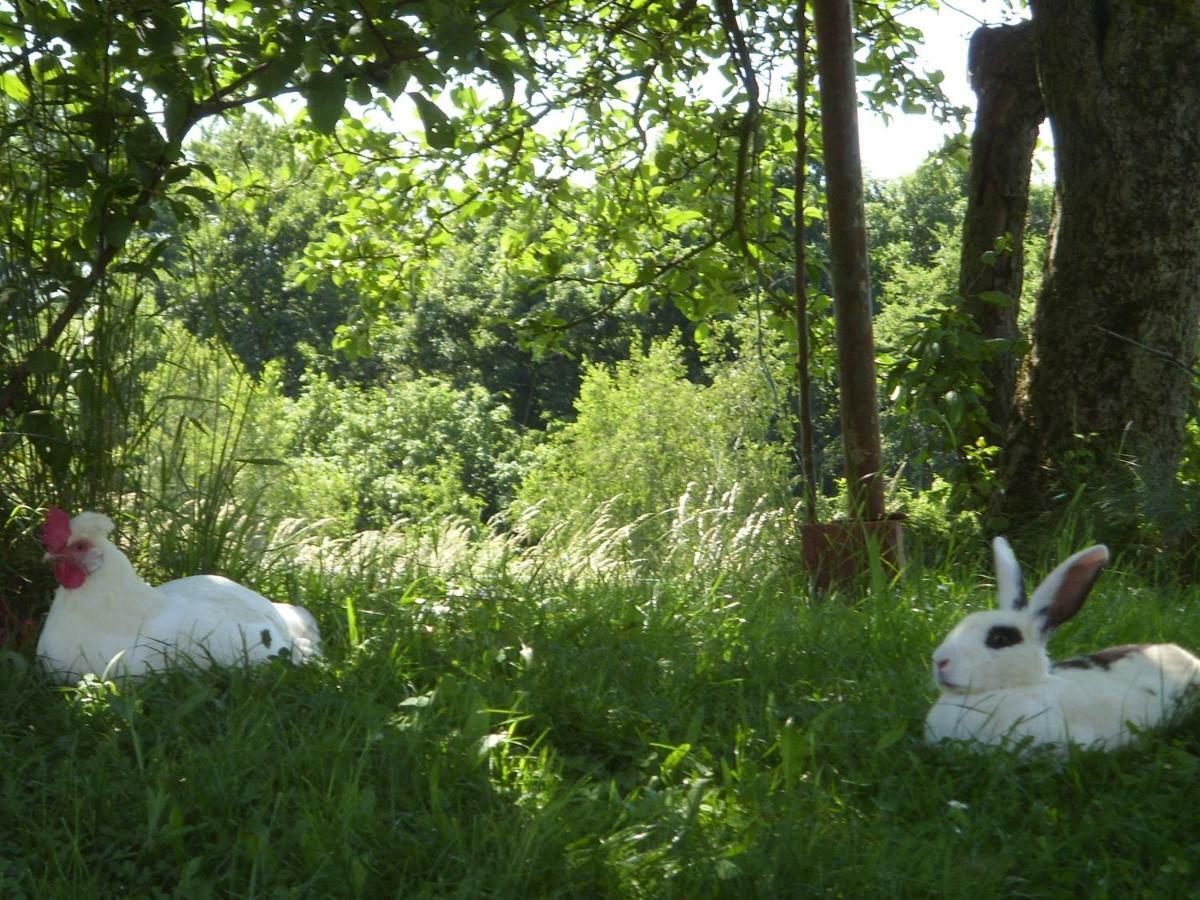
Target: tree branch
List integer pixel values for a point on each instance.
(1153, 351)
(628, 288)
(739, 53)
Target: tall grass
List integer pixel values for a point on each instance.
(208, 454)
(494, 730)
(133, 417)
(705, 535)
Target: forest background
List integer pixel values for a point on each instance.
(474, 327)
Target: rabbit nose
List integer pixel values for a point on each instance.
(942, 663)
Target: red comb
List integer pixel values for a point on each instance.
(57, 530)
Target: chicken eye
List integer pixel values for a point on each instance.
(999, 636)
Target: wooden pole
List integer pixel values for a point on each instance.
(833, 24)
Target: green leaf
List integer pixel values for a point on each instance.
(512, 243)
(552, 262)
(674, 218)
(325, 93)
(995, 298)
(204, 195)
(503, 72)
(360, 90)
(43, 362)
(891, 737)
(465, 97)
(47, 436)
(275, 75)
(14, 87)
(176, 110)
(439, 130)
(117, 228)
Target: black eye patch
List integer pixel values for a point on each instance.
(1003, 636)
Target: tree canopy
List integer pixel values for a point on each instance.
(655, 108)
(549, 168)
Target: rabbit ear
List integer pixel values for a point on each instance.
(1010, 584)
(1063, 591)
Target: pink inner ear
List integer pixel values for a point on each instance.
(57, 530)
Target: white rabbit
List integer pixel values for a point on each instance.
(998, 684)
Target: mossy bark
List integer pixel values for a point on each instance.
(1116, 325)
(1007, 117)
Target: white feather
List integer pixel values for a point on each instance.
(117, 624)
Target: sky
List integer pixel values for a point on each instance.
(897, 148)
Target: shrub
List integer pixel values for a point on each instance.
(644, 436)
(208, 456)
(416, 449)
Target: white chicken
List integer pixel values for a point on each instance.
(106, 620)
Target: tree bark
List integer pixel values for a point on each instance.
(832, 20)
(1009, 111)
(804, 445)
(1116, 324)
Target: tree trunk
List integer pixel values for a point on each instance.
(1004, 77)
(804, 445)
(1117, 320)
(857, 385)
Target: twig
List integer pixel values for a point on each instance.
(1161, 354)
(739, 54)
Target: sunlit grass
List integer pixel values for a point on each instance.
(617, 737)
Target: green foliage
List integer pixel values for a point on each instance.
(643, 434)
(66, 385)
(228, 271)
(102, 98)
(211, 448)
(1037, 233)
(914, 219)
(914, 290)
(416, 450)
(930, 351)
(535, 737)
(470, 324)
(937, 391)
(666, 180)
(68, 439)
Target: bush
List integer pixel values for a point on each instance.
(644, 436)
(208, 458)
(416, 450)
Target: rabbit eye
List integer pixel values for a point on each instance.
(1003, 636)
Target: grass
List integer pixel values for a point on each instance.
(503, 737)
